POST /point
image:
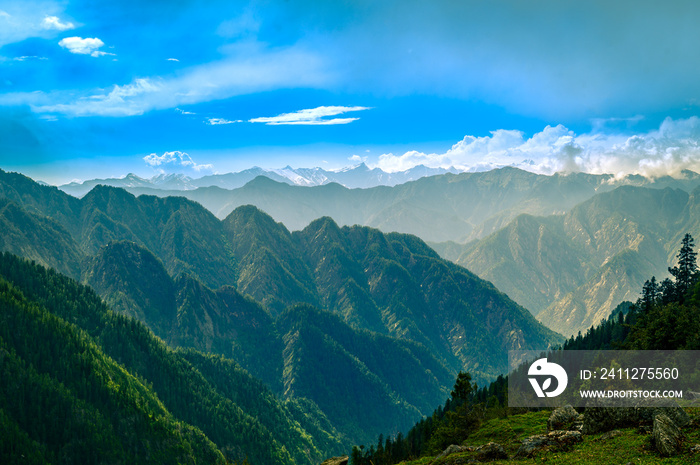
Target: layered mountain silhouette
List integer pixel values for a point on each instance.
(359, 176)
(450, 207)
(536, 273)
(529, 257)
(328, 314)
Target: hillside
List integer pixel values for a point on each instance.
(88, 384)
(477, 425)
(224, 286)
(571, 270)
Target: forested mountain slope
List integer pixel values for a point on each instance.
(81, 383)
(225, 286)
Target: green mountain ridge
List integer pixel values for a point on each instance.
(193, 278)
(183, 312)
(89, 384)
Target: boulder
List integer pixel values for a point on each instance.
(453, 449)
(562, 418)
(340, 460)
(491, 451)
(610, 434)
(667, 436)
(566, 439)
(597, 419)
(532, 445)
(554, 440)
(676, 414)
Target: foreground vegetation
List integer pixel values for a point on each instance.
(629, 446)
(667, 316)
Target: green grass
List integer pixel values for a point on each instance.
(630, 446)
(512, 428)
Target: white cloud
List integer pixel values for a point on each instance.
(83, 46)
(172, 59)
(176, 160)
(312, 116)
(237, 75)
(120, 101)
(32, 57)
(53, 22)
(183, 112)
(668, 150)
(217, 121)
(22, 20)
(357, 159)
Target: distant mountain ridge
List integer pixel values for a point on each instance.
(358, 176)
(572, 270)
(449, 207)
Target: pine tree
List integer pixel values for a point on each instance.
(686, 271)
(463, 388)
(668, 291)
(650, 294)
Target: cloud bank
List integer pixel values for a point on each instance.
(175, 160)
(665, 151)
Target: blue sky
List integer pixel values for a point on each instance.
(98, 89)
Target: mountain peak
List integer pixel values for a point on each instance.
(262, 181)
(323, 223)
(250, 214)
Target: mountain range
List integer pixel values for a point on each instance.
(497, 225)
(359, 176)
(307, 312)
(457, 213)
(451, 207)
(205, 338)
(572, 270)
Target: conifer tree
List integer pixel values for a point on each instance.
(686, 271)
(463, 388)
(650, 294)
